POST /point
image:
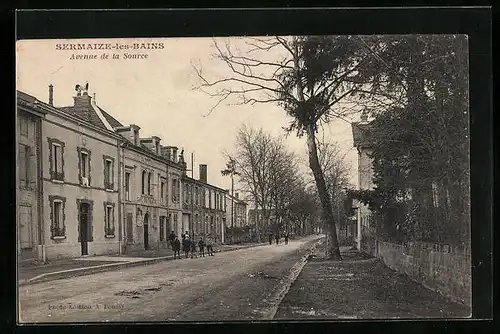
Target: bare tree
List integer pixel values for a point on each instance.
(253, 160)
(309, 79)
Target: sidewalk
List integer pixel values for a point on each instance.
(361, 287)
(33, 272)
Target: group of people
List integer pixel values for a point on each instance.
(189, 246)
(277, 237)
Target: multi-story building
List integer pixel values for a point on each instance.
(80, 153)
(360, 133)
(88, 185)
(29, 204)
(203, 207)
(151, 192)
(239, 212)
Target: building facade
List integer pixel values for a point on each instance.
(29, 190)
(151, 192)
(360, 132)
(239, 212)
(80, 153)
(204, 207)
(88, 185)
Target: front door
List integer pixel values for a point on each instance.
(130, 229)
(84, 227)
(27, 239)
(146, 232)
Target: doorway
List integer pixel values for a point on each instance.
(84, 227)
(146, 231)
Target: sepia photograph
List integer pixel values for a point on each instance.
(244, 178)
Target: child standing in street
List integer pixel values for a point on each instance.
(201, 247)
(193, 248)
(210, 247)
(176, 246)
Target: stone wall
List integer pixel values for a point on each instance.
(443, 268)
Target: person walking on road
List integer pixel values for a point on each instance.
(210, 250)
(176, 246)
(193, 248)
(286, 238)
(186, 246)
(171, 239)
(201, 248)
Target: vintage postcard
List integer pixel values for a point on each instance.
(243, 178)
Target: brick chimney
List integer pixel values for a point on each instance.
(51, 95)
(203, 173)
(82, 106)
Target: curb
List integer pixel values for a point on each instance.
(106, 267)
(286, 282)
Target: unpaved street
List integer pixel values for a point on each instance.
(227, 286)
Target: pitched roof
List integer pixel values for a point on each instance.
(92, 117)
(89, 116)
(111, 120)
(361, 134)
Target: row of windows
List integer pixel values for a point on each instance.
(56, 158)
(197, 197)
(58, 218)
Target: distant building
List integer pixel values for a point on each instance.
(204, 207)
(240, 211)
(360, 133)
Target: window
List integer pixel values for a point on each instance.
(23, 124)
(143, 182)
(109, 222)
(162, 228)
(174, 224)
(25, 177)
(185, 192)
(108, 172)
(56, 158)
(84, 166)
(209, 199)
(127, 186)
(174, 187)
(176, 190)
(162, 192)
(57, 217)
(149, 183)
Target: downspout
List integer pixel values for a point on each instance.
(119, 147)
(41, 220)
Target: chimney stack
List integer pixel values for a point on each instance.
(203, 173)
(51, 95)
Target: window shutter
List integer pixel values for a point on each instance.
(22, 165)
(32, 168)
(60, 160)
(106, 175)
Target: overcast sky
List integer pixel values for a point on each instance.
(157, 94)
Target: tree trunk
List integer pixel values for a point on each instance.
(332, 251)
